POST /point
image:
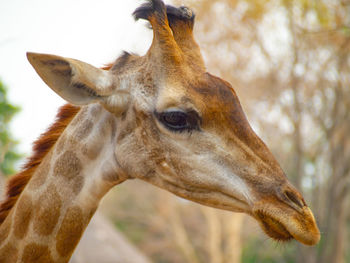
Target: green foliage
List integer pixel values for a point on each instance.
(8, 154)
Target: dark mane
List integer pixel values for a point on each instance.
(41, 147)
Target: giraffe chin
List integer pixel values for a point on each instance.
(273, 228)
(280, 226)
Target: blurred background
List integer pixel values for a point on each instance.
(289, 62)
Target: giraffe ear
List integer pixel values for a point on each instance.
(78, 82)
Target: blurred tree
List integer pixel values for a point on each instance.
(8, 154)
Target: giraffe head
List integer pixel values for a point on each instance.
(183, 129)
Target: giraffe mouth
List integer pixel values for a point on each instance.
(283, 224)
(273, 227)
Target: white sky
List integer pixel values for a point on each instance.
(90, 30)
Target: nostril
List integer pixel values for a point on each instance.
(294, 198)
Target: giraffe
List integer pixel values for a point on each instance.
(161, 118)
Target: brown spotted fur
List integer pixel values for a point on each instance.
(41, 147)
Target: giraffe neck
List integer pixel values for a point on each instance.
(55, 207)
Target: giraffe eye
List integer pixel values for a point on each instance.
(176, 120)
